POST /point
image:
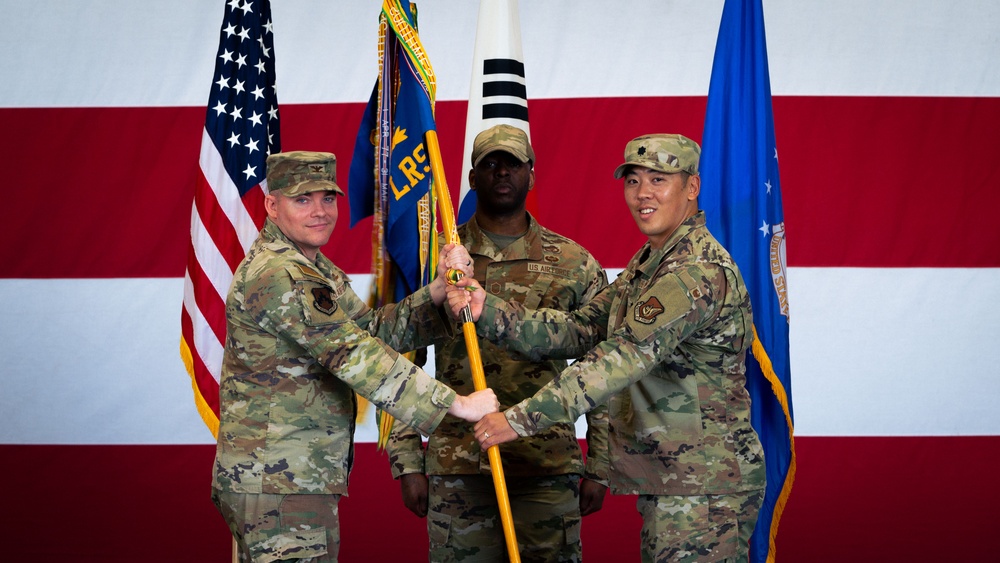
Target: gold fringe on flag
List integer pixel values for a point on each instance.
(760, 354)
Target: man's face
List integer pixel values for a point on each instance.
(660, 202)
(501, 182)
(306, 219)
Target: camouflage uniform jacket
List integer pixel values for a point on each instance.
(299, 344)
(669, 339)
(541, 269)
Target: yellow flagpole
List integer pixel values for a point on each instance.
(472, 342)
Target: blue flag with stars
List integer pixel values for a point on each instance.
(741, 197)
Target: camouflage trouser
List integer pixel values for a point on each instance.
(267, 527)
(463, 521)
(698, 528)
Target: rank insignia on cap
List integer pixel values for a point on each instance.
(647, 311)
(322, 300)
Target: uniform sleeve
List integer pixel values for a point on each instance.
(303, 309)
(544, 334)
(671, 310)
(414, 322)
(406, 451)
(597, 280)
(598, 463)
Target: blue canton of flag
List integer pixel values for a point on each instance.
(243, 102)
(241, 130)
(741, 197)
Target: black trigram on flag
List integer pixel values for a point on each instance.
(504, 94)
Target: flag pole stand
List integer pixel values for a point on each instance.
(472, 343)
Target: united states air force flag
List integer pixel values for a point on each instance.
(741, 196)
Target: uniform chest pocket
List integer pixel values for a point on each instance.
(319, 304)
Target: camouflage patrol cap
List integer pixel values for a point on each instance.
(505, 138)
(299, 172)
(662, 152)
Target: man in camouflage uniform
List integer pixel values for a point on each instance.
(299, 344)
(667, 343)
(515, 258)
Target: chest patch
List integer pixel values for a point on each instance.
(647, 311)
(323, 301)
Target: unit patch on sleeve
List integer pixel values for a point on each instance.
(323, 301)
(646, 311)
(662, 304)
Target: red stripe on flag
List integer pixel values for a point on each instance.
(210, 303)
(865, 191)
(218, 225)
(871, 493)
(201, 377)
(253, 200)
(889, 182)
(98, 192)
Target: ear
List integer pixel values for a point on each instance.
(472, 179)
(694, 187)
(531, 179)
(271, 205)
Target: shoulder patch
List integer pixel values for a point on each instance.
(662, 304)
(323, 300)
(647, 311)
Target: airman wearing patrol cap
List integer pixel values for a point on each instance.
(516, 259)
(505, 138)
(675, 325)
(669, 153)
(299, 344)
(299, 172)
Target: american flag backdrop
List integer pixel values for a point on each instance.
(885, 114)
(241, 130)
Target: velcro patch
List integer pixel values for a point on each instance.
(647, 311)
(666, 301)
(323, 301)
(320, 306)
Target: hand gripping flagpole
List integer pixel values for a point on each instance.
(447, 213)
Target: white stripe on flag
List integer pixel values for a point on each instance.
(227, 195)
(206, 345)
(854, 333)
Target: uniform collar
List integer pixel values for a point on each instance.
(528, 247)
(272, 235)
(648, 266)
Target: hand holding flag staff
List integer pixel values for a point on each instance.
(397, 171)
